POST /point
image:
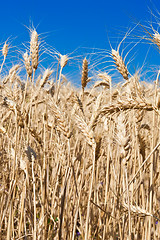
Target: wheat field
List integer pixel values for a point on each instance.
(78, 163)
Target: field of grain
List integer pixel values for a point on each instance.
(78, 163)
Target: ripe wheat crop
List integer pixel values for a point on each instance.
(78, 163)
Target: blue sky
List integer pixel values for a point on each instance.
(68, 25)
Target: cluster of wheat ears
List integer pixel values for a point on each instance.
(78, 163)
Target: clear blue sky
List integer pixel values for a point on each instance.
(67, 25)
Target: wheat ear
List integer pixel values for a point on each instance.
(122, 138)
(156, 39)
(12, 74)
(120, 64)
(85, 129)
(107, 82)
(27, 61)
(45, 77)
(63, 59)
(4, 52)
(84, 78)
(34, 51)
(63, 125)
